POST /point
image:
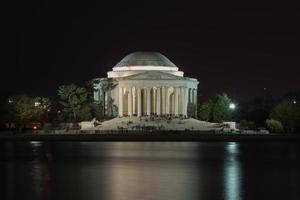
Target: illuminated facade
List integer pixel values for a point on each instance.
(146, 83)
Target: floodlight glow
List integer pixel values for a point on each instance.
(10, 100)
(232, 106)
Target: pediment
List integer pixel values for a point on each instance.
(158, 75)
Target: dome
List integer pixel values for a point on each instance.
(141, 58)
(141, 61)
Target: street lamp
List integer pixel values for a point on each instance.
(294, 102)
(10, 100)
(232, 106)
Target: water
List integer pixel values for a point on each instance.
(149, 170)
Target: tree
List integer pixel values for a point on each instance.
(288, 114)
(26, 110)
(106, 102)
(72, 99)
(43, 105)
(258, 109)
(217, 110)
(86, 112)
(221, 111)
(105, 105)
(90, 88)
(205, 111)
(274, 126)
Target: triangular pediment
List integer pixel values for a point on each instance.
(153, 75)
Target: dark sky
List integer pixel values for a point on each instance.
(235, 48)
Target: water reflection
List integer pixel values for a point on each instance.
(38, 169)
(232, 173)
(145, 174)
(152, 170)
(35, 143)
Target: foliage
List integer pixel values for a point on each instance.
(217, 110)
(205, 110)
(221, 111)
(43, 106)
(72, 99)
(78, 103)
(85, 113)
(274, 126)
(257, 110)
(90, 88)
(27, 109)
(20, 110)
(288, 114)
(105, 101)
(24, 110)
(97, 110)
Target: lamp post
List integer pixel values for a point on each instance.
(232, 106)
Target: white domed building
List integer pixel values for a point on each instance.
(147, 83)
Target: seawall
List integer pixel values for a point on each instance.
(152, 136)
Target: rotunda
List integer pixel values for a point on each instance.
(147, 83)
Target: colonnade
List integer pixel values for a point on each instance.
(161, 100)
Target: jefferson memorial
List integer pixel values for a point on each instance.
(147, 83)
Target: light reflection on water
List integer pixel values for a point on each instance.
(232, 173)
(156, 172)
(149, 170)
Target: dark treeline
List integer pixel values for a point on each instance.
(75, 104)
(281, 114)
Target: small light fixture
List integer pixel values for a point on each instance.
(232, 106)
(10, 100)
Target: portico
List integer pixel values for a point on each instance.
(142, 99)
(156, 93)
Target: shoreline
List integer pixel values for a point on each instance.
(152, 136)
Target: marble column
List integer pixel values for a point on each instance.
(186, 99)
(195, 96)
(163, 98)
(176, 101)
(182, 100)
(167, 100)
(148, 101)
(158, 101)
(133, 100)
(153, 100)
(139, 101)
(97, 94)
(129, 101)
(190, 95)
(105, 101)
(195, 102)
(144, 109)
(120, 101)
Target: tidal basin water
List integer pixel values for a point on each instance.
(149, 170)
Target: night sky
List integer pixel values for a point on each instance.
(232, 48)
